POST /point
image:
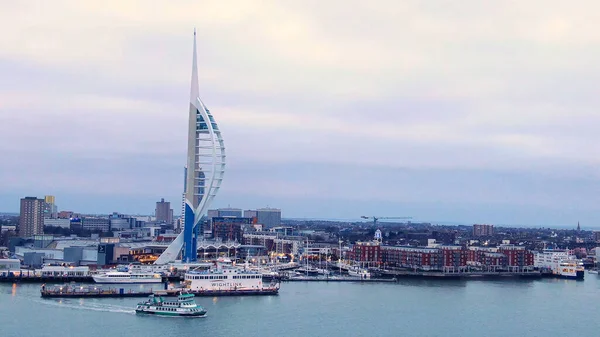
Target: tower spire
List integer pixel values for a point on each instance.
(195, 89)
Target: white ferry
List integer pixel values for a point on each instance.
(226, 278)
(127, 277)
(185, 306)
(561, 263)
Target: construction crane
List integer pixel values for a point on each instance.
(375, 218)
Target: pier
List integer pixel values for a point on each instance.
(25, 278)
(31, 278)
(74, 291)
(380, 275)
(337, 279)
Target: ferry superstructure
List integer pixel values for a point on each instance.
(148, 268)
(560, 262)
(228, 278)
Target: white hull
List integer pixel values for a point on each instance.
(569, 271)
(113, 281)
(126, 278)
(153, 310)
(359, 273)
(323, 271)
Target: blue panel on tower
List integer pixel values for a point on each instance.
(190, 252)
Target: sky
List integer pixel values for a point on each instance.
(471, 111)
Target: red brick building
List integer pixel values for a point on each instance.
(443, 258)
(502, 257)
(476, 255)
(366, 252)
(454, 257)
(517, 256)
(495, 260)
(411, 257)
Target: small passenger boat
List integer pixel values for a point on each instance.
(185, 306)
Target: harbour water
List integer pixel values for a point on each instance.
(547, 307)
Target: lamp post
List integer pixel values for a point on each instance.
(340, 258)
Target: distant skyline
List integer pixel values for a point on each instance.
(464, 112)
(436, 214)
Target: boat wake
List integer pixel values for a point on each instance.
(89, 306)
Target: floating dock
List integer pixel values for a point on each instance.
(72, 292)
(89, 291)
(45, 279)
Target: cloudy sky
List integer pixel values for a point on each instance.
(469, 111)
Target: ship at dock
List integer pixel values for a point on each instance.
(227, 279)
(560, 263)
(127, 277)
(361, 273)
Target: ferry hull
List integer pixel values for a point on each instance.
(264, 292)
(578, 276)
(172, 314)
